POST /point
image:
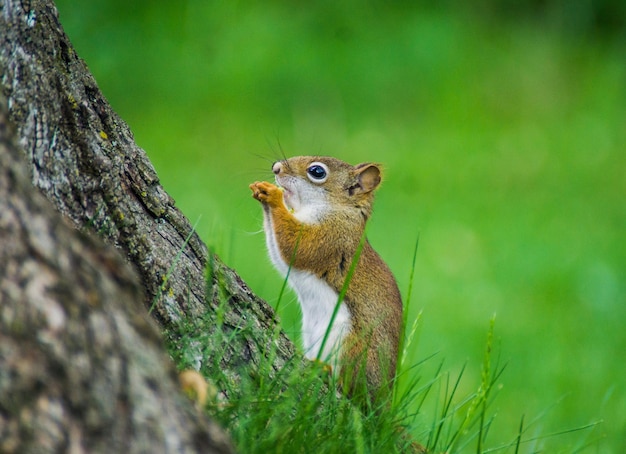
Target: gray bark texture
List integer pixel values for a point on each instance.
(81, 367)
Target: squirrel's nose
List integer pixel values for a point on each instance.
(277, 167)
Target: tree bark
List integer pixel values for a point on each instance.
(80, 366)
(82, 156)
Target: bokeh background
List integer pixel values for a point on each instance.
(502, 128)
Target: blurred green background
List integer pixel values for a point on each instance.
(502, 128)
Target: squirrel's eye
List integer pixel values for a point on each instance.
(317, 172)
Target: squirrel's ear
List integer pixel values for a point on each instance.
(368, 177)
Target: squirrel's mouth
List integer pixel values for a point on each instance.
(282, 184)
(287, 192)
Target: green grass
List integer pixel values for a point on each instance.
(284, 413)
(294, 408)
(503, 149)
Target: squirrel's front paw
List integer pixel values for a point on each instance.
(267, 193)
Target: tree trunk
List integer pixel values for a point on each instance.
(79, 364)
(82, 367)
(83, 158)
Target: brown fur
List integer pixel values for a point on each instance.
(326, 248)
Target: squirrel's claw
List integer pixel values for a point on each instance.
(267, 193)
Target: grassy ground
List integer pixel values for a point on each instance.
(504, 150)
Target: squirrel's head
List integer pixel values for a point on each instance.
(317, 185)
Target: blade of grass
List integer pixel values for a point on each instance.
(292, 260)
(542, 437)
(342, 293)
(480, 396)
(402, 349)
(520, 431)
(171, 268)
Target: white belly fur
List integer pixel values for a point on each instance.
(317, 301)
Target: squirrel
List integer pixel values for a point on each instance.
(314, 222)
